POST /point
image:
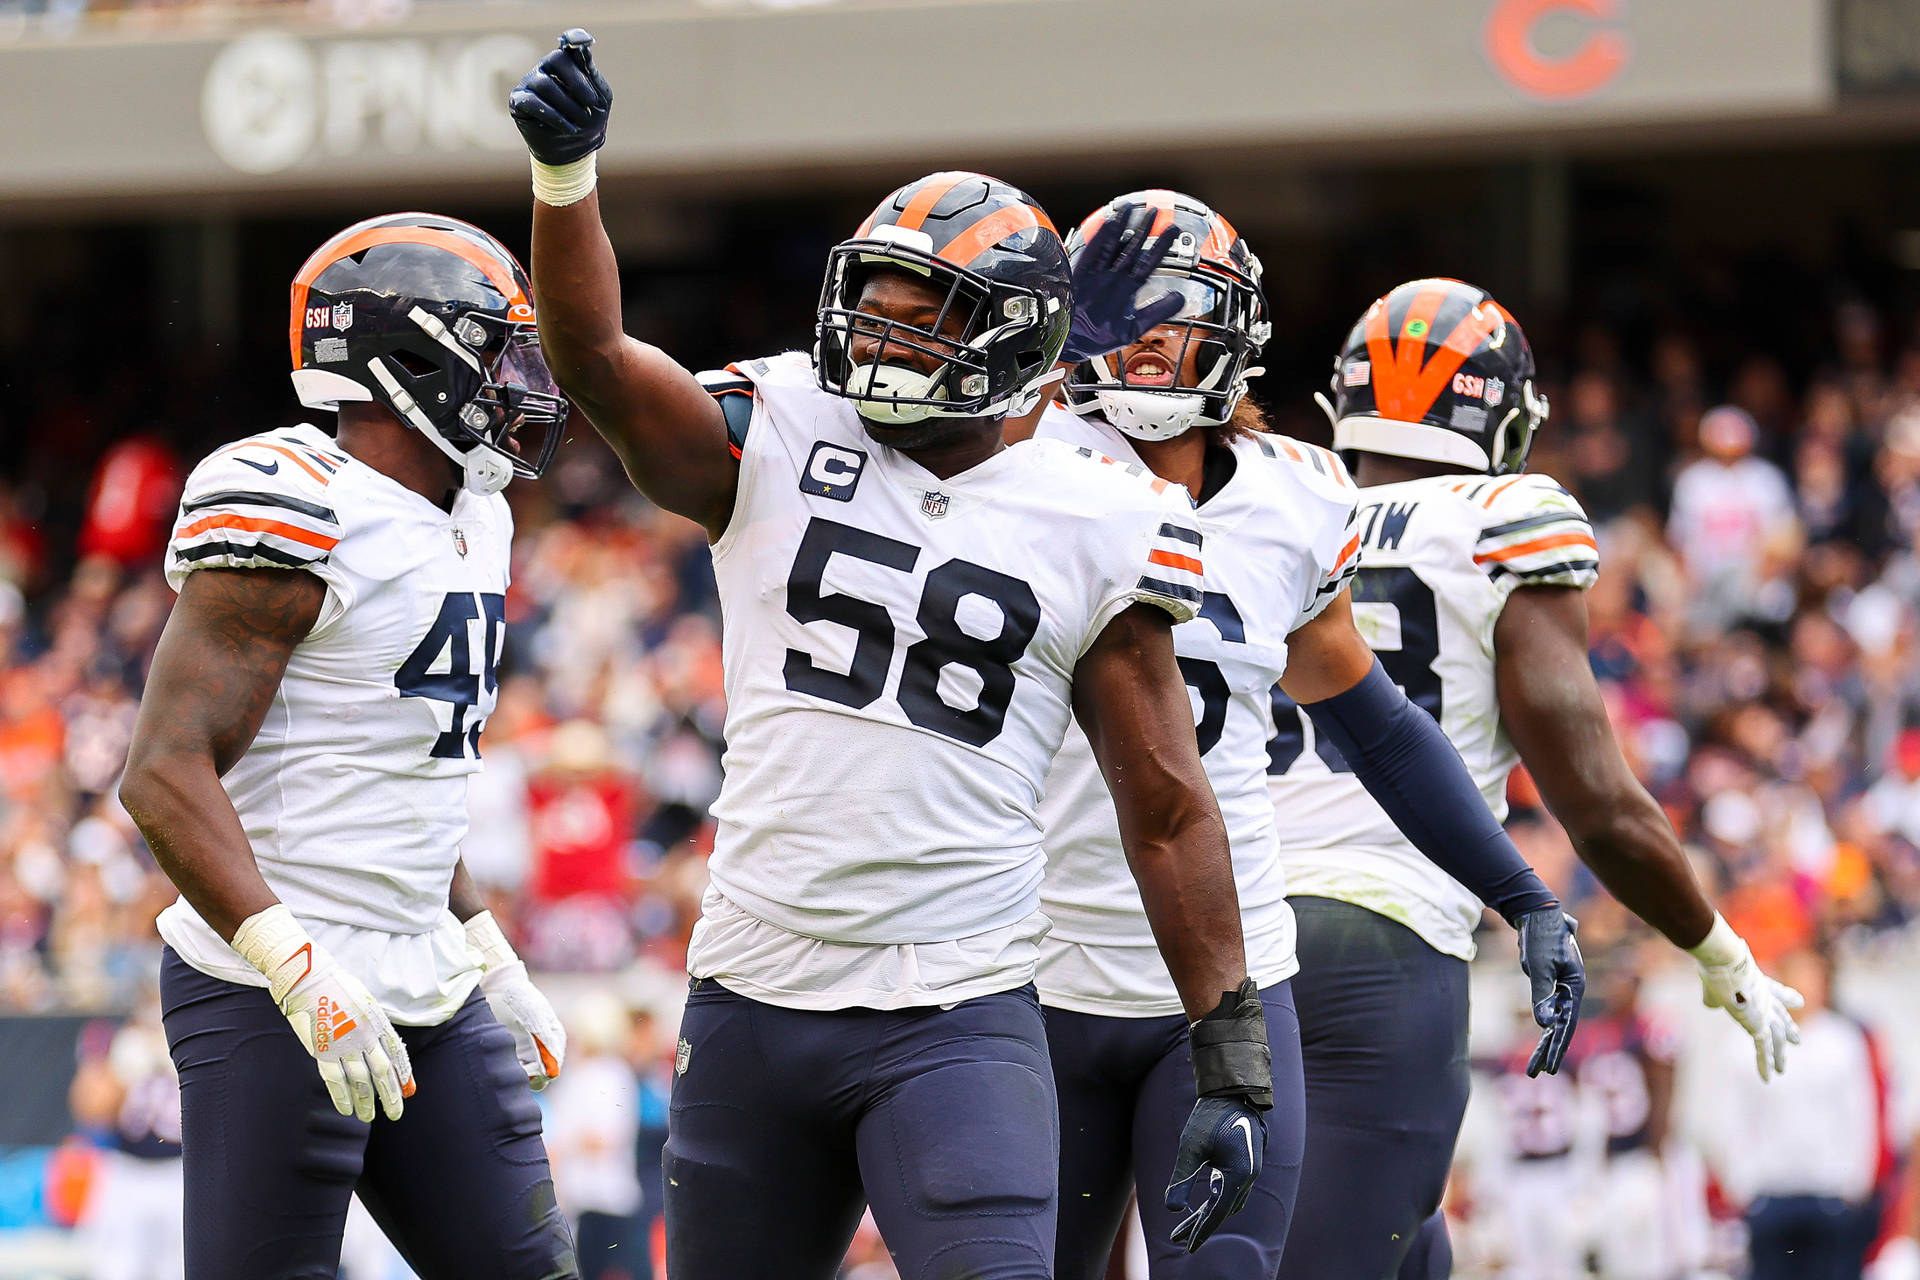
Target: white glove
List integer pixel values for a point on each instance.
(1730, 980)
(539, 1041)
(343, 1026)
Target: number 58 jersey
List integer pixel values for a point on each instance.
(1439, 557)
(354, 791)
(899, 656)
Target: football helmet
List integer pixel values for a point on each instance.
(1007, 307)
(431, 317)
(1224, 316)
(1437, 370)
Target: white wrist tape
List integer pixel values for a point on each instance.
(489, 946)
(1721, 947)
(273, 942)
(560, 185)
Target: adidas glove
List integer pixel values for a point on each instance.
(1730, 980)
(539, 1041)
(360, 1055)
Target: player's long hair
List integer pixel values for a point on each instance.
(1248, 418)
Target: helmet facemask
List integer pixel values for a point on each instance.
(1221, 325)
(475, 406)
(975, 373)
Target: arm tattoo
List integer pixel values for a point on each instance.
(242, 626)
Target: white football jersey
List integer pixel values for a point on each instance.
(1440, 556)
(899, 653)
(1280, 546)
(354, 792)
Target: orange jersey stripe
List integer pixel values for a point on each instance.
(925, 198)
(1539, 544)
(1292, 452)
(1346, 553)
(1334, 468)
(1172, 560)
(254, 524)
(299, 461)
(1500, 489)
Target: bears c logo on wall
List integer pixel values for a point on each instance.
(1601, 54)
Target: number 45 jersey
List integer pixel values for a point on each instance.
(354, 792)
(1439, 557)
(899, 656)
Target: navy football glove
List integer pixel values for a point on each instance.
(1551, 960)
(1225, 1139)
(1114, 267)
(561, 108)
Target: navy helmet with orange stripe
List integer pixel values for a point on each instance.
(1005, 293)
(1437, 370)
(431, 317)
(1222, 324)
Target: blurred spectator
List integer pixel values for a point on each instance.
(592, 1131)
(129, 1097)
(1802, 1153)
(1733, 525)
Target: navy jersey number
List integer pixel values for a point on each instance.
(946, 643)
(1205, 678)
(448, 666)
(1410, 666)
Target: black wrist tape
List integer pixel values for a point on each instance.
(1231, 1057)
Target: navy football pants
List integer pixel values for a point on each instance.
(459, 1183)
(784, 1122)
(1383, 1031)
(1126, 1089)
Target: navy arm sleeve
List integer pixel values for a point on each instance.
(1415, 775)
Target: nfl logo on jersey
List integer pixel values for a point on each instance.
(934, 504)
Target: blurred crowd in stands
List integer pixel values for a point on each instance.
(1754, 629)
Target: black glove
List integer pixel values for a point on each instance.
(561, 108)
(1114, 266)
(1551, 960)
(1225, 1139)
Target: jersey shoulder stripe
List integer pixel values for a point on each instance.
(734, 391)
(1535, 533)
(259, 503)
(1175, 575)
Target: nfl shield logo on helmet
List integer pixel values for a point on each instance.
(343, 316)
(933, 504)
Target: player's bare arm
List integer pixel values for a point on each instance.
(1129, 698)
(667, 431)
(1552, 710)
(215, 672)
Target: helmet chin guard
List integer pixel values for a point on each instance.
(1146, 415)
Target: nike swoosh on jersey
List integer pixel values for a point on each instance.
(265, 468)
(1245, 1126)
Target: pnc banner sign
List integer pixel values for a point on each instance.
(1599, 53)
(271, 102)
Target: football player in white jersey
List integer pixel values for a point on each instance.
(914, 612)
(300, 770)
(1278, 521)
(1471, 593)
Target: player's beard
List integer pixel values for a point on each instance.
(928, 433)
